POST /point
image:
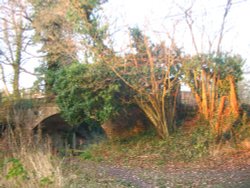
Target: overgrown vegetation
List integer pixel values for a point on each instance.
(212, 79)
(141, 83)
(152, 151)
(27, 160)
(89, 92)
(152, 72)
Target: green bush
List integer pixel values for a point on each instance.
(241, 130)
(87, 155)
(45, 181)
(201, 139)
(88, 92)
(16, 169)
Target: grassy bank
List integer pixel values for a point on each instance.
(29, 161)
(185, 145)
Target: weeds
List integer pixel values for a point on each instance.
(27, 160)
(146, 149)
(29, 165)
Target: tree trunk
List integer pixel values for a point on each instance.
(15, 83)
(204, 94)
(233, 97)
(220, 112)
(213, 96)
(17, 62)
(156, 117)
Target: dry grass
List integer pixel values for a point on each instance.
(31, 169)
(27, 159)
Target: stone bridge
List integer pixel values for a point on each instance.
(47, 116)
(43, 113)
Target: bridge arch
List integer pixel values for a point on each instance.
(54, 123)
(51, 124)
(43, 113)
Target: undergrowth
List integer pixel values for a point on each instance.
(27, 161)
(147, 149)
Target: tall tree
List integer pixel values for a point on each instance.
(55, 33)
(57, 24)
(14, 38)
(152, 72)
(87, 22)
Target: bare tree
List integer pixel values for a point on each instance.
(14, 38)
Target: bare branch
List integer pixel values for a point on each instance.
(31, 73)
(227, 9)
(189, 20)
(6, 91)
(7, 42)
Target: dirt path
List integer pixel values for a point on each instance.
(233, 171)
(235, 177)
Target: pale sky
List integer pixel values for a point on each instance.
(157, 17)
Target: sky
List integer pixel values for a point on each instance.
(157, 18)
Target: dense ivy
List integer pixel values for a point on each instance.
(88, 92)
